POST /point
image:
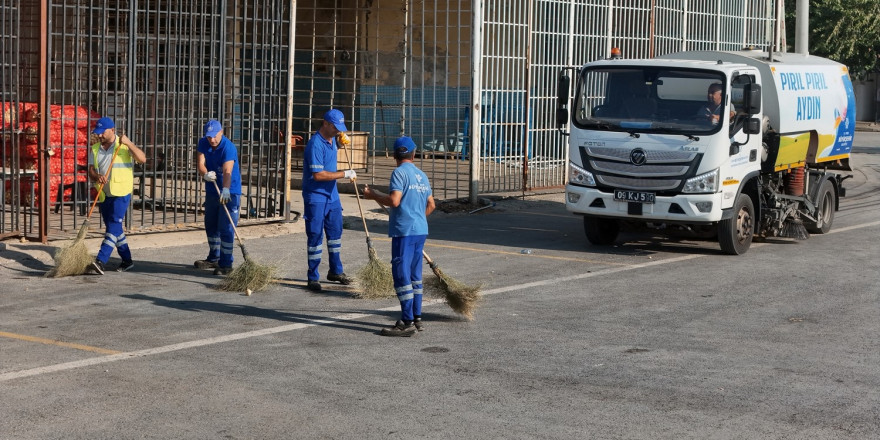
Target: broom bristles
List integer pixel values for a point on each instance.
(73, 259)
(248, 275)
(375, 278)
(462, 298)
(794, 228)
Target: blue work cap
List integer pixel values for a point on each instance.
(404, 145)
(103, 124)
(335, 117)
(212, 128)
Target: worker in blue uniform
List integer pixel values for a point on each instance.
(411, 202)
(218, 158)
(322, 208)
(111, 168)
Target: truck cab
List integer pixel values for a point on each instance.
(661, 141)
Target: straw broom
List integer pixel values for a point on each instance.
(249, 276)
(462, 298)
(375, 278)
(75, 259)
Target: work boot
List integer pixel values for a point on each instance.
(340, 278)
(125, 266)
(205, 264)
(314, 286)
(222, 271)
(400, 328)
(420, 326)
(97, 267)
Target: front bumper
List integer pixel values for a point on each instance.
(680, 208)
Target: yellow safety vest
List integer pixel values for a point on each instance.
(121, 180)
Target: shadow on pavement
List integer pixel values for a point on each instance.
(259, 312)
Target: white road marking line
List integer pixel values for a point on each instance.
(850, 228)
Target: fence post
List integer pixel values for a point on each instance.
(476, 98)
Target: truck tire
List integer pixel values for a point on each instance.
(735, 234)
(601, 231)
(825, 204)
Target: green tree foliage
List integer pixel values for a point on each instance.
(847, 31)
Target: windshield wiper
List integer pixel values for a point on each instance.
(599, 126)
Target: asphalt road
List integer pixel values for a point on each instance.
(658, 337)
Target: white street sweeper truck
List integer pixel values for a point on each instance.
(728, 142)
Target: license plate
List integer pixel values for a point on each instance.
(622, 195)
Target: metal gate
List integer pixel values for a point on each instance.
(393, 67)
(14, 208)
(526, 45)
(160, 69)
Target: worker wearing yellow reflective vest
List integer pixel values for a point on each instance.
(115, 189)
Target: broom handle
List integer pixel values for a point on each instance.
(231, 223)
(424, 254)
(106, 175)
(357, 194)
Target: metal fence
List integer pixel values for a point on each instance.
(13, 179)
(526, 45)
(161, 68)
(393, 67)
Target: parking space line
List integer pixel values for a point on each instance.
(519, 254)
(850, 228)
(57, 343)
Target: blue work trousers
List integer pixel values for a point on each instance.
(406, 268)
(323, 218)
(220, 232)
(113, 211)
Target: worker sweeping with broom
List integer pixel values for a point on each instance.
(322, 207)
(411, 201)
(111, 168)
(218, 157)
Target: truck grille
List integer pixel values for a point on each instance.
(636, 183)
(663, 171)
(628, 169)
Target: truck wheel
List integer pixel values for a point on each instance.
(825, 203)
(735, 234)
(601, 231)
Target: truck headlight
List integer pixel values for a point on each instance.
(580, 176)
(706, 183)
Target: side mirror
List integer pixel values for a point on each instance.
(561, 117)
(752, 126)
(752, 99)
(562, 98)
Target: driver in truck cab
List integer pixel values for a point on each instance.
(712, 110)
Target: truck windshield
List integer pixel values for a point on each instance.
(649, 100)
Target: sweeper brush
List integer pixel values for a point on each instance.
(250, 275)
(375, 278)
(794, 228)
(462, 298)
(73, 259)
